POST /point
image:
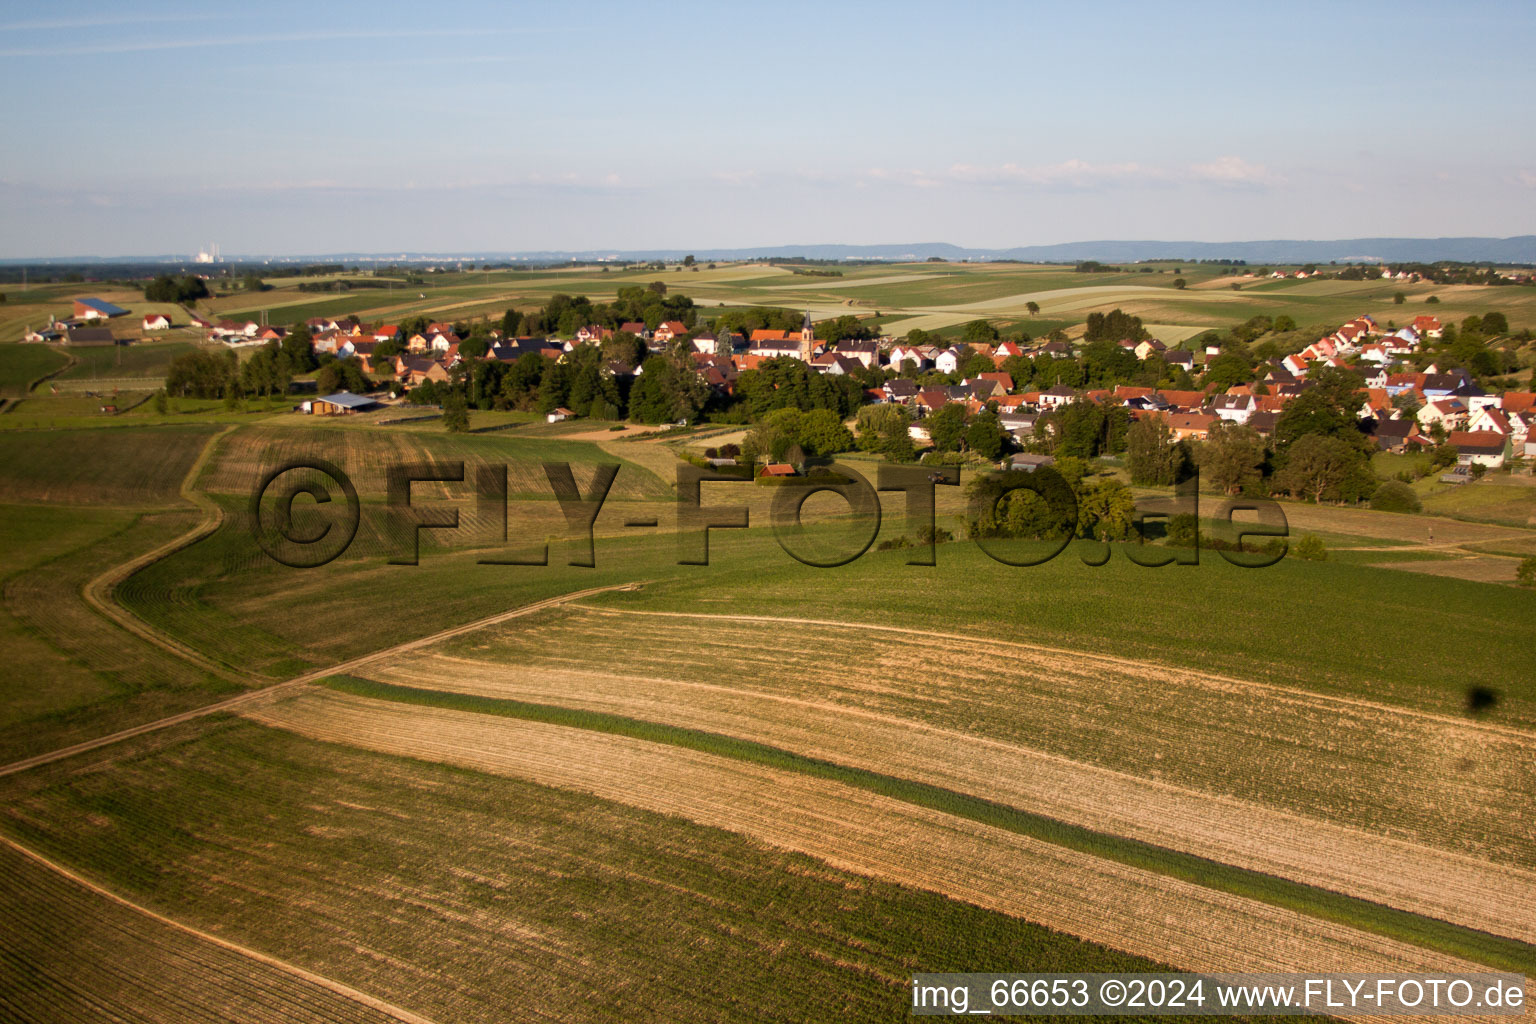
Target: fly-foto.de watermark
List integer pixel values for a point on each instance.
(1213, 995)
(333, 514)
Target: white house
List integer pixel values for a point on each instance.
(947, 361)
(156, 322)
(1234, 408)
(1056, 397)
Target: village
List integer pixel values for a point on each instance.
(1404, 409)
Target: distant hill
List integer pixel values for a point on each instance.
(1519, 249)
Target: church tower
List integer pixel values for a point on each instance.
(805, 338)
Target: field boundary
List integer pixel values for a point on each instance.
(345, 991)
(267, 692)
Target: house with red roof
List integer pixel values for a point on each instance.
(1480, 448)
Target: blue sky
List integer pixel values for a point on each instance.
(304, 128)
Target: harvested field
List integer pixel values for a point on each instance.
(71, 954)
(1357, 765)
(1411, 877)
(1138, 911)
(471, 898)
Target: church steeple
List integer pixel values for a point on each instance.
(807, 333)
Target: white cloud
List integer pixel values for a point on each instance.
(1072, 173)
(1234, 170)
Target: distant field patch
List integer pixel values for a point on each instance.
(21, 364)
(142, 359)
(143, 466)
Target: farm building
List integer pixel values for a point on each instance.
(559, 414)
(92, 309)
(342, 403)
(156, 321)
(89, 336)
(1030, 462)
(778, 469)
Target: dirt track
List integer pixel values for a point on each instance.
(244, 699)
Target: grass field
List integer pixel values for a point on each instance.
(148, 359)
(23, 365)
(99, 467)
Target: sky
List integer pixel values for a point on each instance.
(161, 126)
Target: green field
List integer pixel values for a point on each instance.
(22, 365)
(99, 467)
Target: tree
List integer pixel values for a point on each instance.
(623, 347)
(1396, 496)
(1311, 548)
(1319, 466)
(1151, 454)
(822, 433)
(1105, 511)
(1329, 408)
(979, 330)
(1526, 573)
(342, 375)
(883, 429)
(1284, 324)
(984, 436)
(266, 373)
(1495, 323)
(1033, 307)
(1180, 283)
(1113, 326)
(1228, 369)
(688, 260)
(456, 413)
(162, 404)
(1081, 430)
(667, 391)
(186, 289)
(1433, 300)
(947, 427)
(202, 374)
(1398, 298)
(299, 349)
(1231, 457)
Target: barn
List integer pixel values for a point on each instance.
(94, 309)
(342, 403)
